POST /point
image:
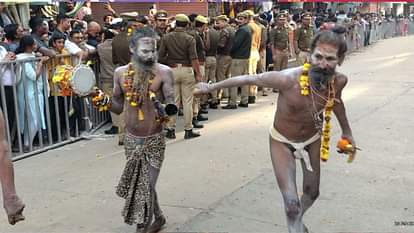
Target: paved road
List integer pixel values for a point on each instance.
(223, 181)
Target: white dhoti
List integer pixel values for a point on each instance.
(300, 151)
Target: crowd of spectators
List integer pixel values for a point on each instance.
(80, 36)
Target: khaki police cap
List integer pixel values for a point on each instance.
(182, 18)
(222, 17)
(129, 16)
(249, 12)
(281, 16)
(242, 14)
(161, 14)
(307, 15)
(201, 19)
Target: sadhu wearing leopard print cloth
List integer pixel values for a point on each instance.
(138, 89)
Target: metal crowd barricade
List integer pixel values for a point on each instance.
(411, 27)
(379, 31)
(66, 118)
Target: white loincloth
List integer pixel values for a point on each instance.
(300, 152)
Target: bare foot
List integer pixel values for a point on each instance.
(14, 208)
(157, 225)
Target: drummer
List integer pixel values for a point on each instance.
(57, 43)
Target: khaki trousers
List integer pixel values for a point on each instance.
(280, 60)
(302, 57)
(184, 84)
(261, 66)
(222, 72)
(197, 100)
(239, 67)
(117, 120)
(210, 75)
(253, 61)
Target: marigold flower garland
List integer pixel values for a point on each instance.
(304, 80)
(327, 126)
(304, 85)
(136, 92)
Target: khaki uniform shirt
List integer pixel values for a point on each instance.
(200, 48)
(280, 37)
(177, 47)
(160, 34)
(226, 40)
(214, 39)
(105, 58)
(120, 49)
(304, 36)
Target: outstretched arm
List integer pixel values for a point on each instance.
(274, 79)
(339, 110)
(11, 202)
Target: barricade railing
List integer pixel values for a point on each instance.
(37, 116)
(356, 35)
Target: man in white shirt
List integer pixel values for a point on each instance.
(63, 26)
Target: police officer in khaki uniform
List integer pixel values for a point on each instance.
(161, 23)
(211, 62)
(201, 37)
(303, 37)
(280, 43)
(225, 43)
(178, 50)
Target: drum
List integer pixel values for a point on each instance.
(83, 80)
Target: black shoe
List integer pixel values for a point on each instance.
(229, 106)
(201, 117)
(197, 124)
(214, 105)
(190, 134)
(275, 90)
(203, 111)
(120, 142)
(180, 112)
(112, 130)
(170, 134)
(264, 94)
(243, 105)
(252, 99)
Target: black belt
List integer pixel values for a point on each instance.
(177, 65)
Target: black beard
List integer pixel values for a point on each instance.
(320, 77)
(144, 64)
